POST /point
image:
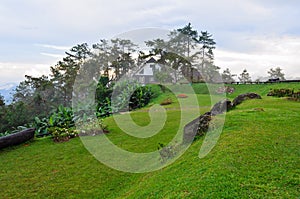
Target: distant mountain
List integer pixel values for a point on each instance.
(6, 90)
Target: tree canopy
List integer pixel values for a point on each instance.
(276, 73)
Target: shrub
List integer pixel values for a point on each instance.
(41, 126)
(60, 125)
(290, 93)
(62, 134)
(140, 97)
(125, 96)
(92, 127)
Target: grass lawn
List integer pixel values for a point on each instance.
(257, 156)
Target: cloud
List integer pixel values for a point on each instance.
(55, 47)
(268, 52)
(249, 33)
(58, 56)
(15, 72)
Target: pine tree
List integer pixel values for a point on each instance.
(276, 73)
(245, 77)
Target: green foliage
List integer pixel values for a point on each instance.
(15, 130)
(125, 96)
(5, 133)
(140, 97)
(207, 45)
(261, 89)
(281, 92)
(41, 126)
(93, 127)
(62, 134)
(60, 125)
(285, 93)
(62, 118)
(2, 100)
(12, 116)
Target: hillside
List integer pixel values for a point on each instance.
(257, 156)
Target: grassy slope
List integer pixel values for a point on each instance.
(257, 156)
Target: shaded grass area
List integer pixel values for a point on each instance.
(257, 156)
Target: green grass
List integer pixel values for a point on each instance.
(257, 156)
(261, 89)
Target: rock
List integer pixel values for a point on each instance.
(190, 131)
(239, 99)
(221, 107)
(198, 126)
(204, 123)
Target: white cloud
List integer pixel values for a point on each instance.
(34, 26)
(269, 52)
(58, 56)
(55, 47)
(15, 72)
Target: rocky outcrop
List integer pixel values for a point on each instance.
(221, 107)
(239, 99)
(200, 125)
(17, 138)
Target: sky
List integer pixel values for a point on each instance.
(253, 34)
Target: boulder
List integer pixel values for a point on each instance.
(221, 107)
(190, 131)
(239, 99)
(204, 121)
(198, 126)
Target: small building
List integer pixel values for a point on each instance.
(145, 74)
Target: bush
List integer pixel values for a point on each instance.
(126, 96)
(41, 126)
(140, 97)
(60, 125)
(62, 134)
(93, 127)
(290, 93)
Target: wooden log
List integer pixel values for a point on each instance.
(16, 138)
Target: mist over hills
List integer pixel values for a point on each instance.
(6, 90)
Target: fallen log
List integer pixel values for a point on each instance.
(16, 138)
